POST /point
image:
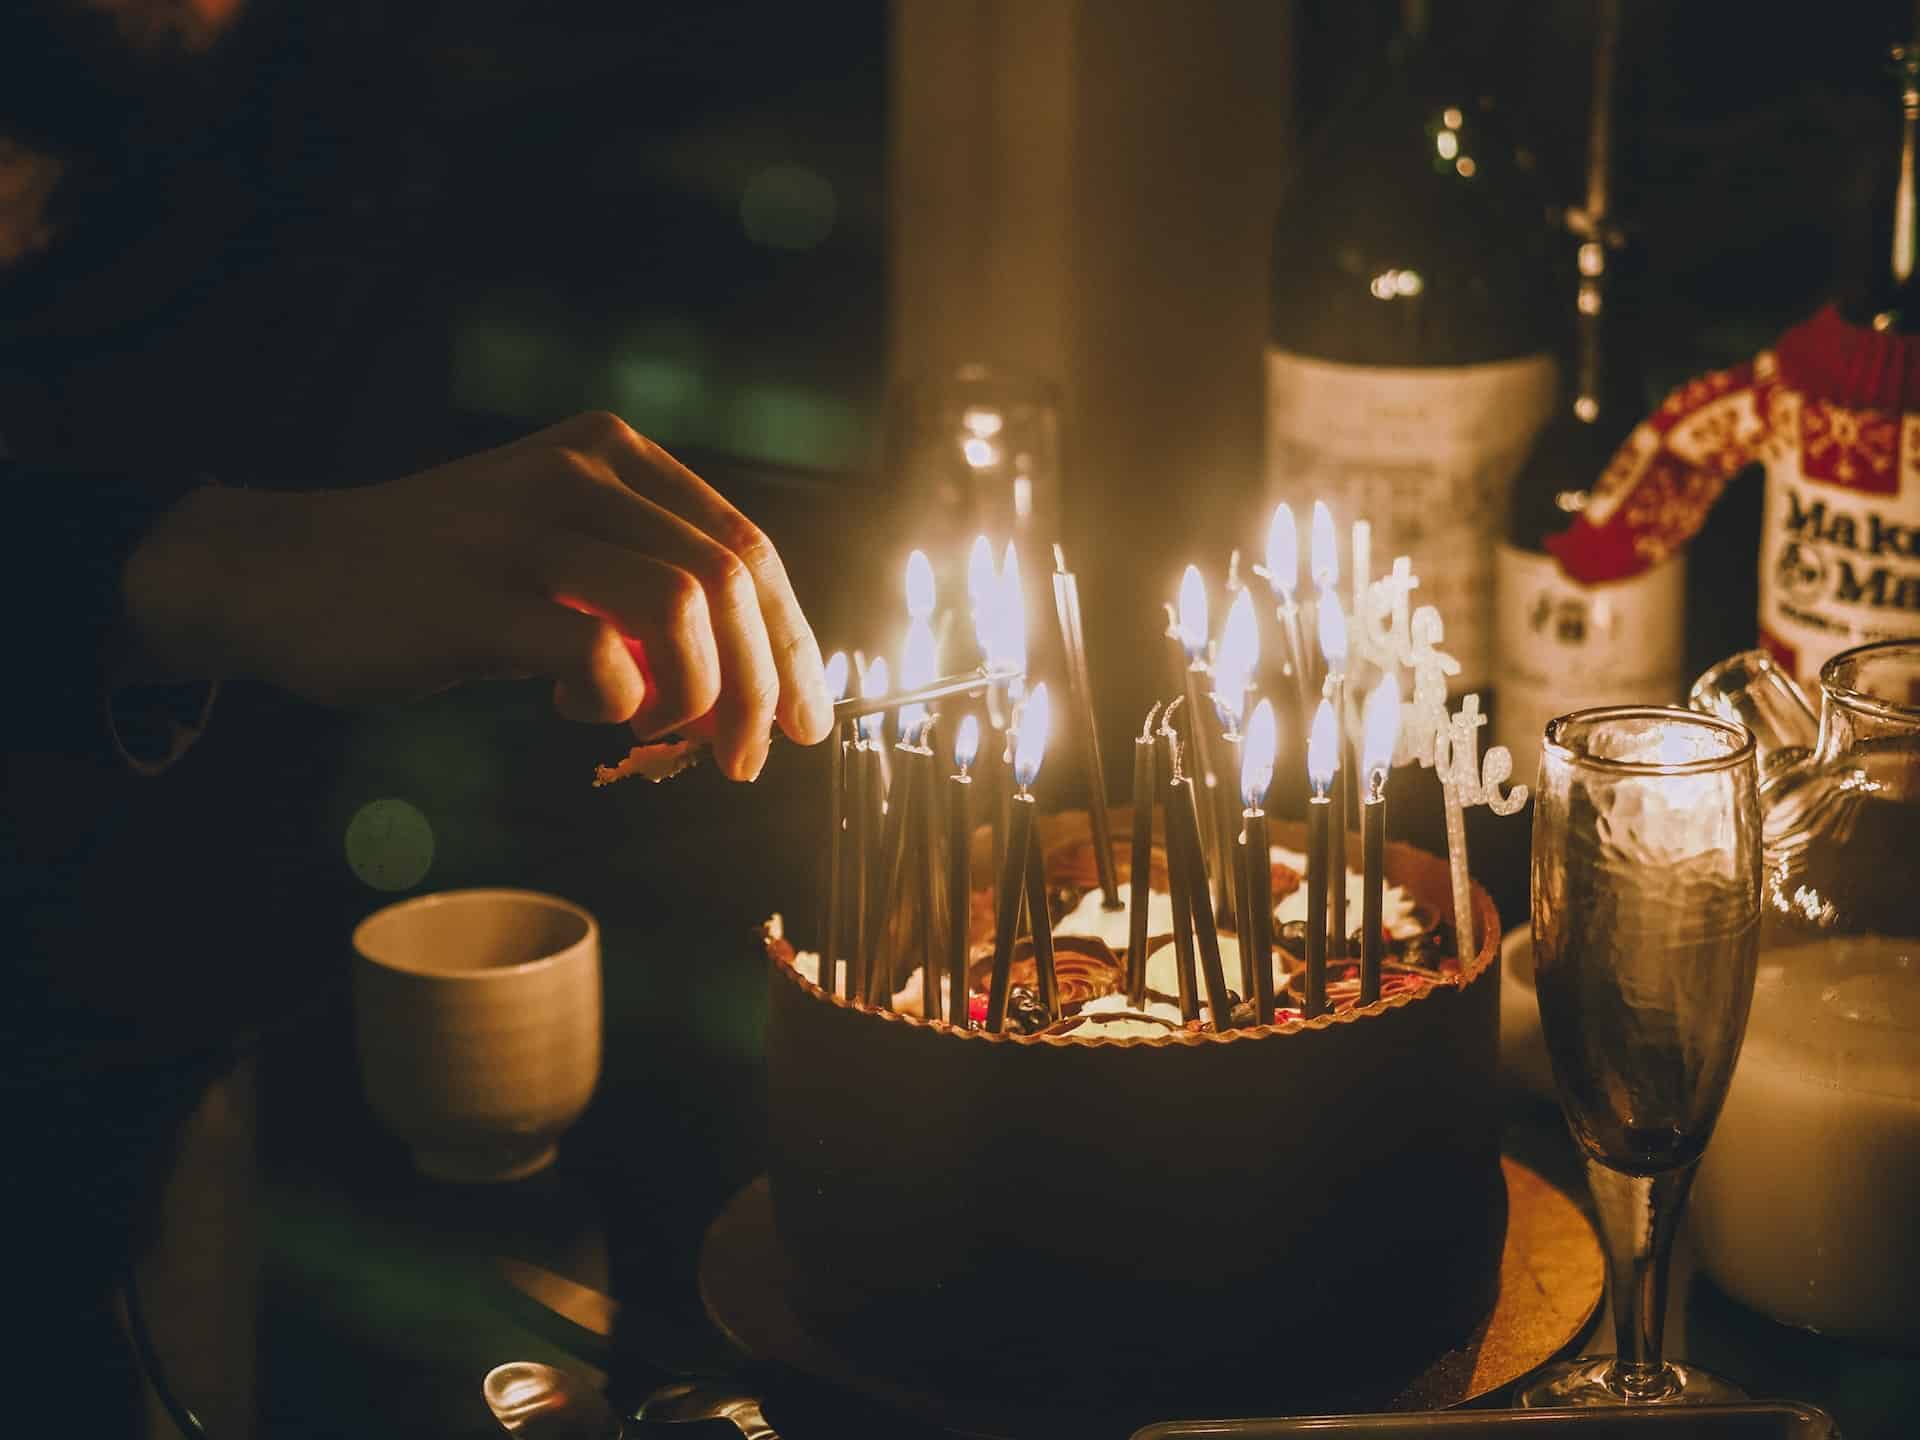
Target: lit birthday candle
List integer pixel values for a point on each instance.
(864, 824)
(836, 825)
(1028, 753)
(1322, 760)
(1256, 774)
(1233, 670)
(966, 745)
(1333, 646)
(1197, 730)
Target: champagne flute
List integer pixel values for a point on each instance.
(1646, 911)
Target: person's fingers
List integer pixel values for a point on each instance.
(587, 494)
(661, 609)
(595, 679)
(804, 708)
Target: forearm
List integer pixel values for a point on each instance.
(185, 589)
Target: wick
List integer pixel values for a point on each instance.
(1173, 737)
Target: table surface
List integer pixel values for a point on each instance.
(381, 1311)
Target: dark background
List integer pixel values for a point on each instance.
(392, 234)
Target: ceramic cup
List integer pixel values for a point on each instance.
(478, 1019)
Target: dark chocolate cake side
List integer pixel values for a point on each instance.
(1183, 1219)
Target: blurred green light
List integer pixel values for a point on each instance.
(657, 395)
(787, 207)
(794, 426)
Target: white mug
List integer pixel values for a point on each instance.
(478, 1019)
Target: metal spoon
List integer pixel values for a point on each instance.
(687, 1400)
(539, 1402)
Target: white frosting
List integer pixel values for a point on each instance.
(1396, 905)
(906, 1000)
(1117, 1005)
(1127, 1027)
(1092, 919)
(1163, 973)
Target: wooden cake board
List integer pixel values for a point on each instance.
(1552, 1276)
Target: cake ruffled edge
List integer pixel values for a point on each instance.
(1399, 857)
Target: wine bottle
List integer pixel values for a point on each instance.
(1563, 645)
(1409, 364)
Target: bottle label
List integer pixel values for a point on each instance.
(1839, 562)
(1426, 455)
(1564, 646)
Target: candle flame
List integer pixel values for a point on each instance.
(1380, 731)
(1193, 612)
(1009, 647)
(1283, 552)
(1326, 555)
(1032, 745)
(966, 744)
(1256, 768)
(873, 685)
(919, 586)
(837, 675)
(1323, 747)
(982, 592)
(1239, 649)
(918, 665)
(1333, 633)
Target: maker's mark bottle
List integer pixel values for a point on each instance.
(1833, 410)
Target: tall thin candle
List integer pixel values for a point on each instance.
(1333, 645)
(1242, 899)
(959, 867)
(1256, 775)
(919, 661)
(1186, 814)
(882, 898)
(1199, 725)
(1140, 873)
(1233, 671)
(870, 796)
(836, 829)
(1026, 768)
(1320, 764)
(1073, 646)
(1007, 909)
(1040, 925)
(1381, 731)
(1186, 977)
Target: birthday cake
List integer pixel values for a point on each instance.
(1129, 1205)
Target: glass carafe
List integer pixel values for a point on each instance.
(1807, 1204)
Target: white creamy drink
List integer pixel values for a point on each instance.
(1807, 1204)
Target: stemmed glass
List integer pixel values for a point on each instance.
(1646, 911)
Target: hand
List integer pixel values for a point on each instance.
(584, 553)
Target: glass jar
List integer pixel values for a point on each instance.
(1807, 1204)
